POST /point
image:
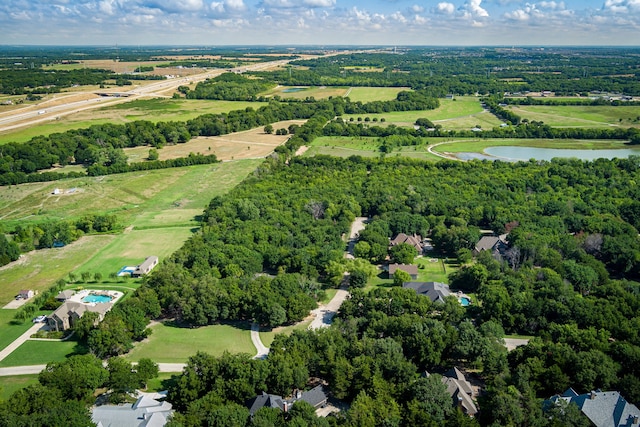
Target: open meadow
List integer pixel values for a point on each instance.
(461, 113)
(344, 146)
(581, 116)
(302, 92)
(171, 344)
(370, 94)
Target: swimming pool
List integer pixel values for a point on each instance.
(464, 301)
(93, 298)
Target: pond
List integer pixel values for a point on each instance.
(513, 153)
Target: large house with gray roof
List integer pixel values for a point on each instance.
(145, 412)
(603, 408)
(436, 291)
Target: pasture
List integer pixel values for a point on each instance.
(462, 113)
(171, 344)
(581, 116)
(340, 146)
(370, 94)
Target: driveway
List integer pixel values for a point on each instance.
(257, 342)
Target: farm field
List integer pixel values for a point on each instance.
(154, 110)
(171, 344)
(41, 352)
(477, 145)
(581, 116)
(249, 144)
(39, 270)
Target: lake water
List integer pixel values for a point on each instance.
(294, 89)
(513, 153)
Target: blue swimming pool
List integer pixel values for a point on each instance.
(96, 298)
(464, 301)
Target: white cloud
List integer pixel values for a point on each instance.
(621, 6)
(445, 8)
(319, 3)
(417, 8)
(228, 6)
(474, 8)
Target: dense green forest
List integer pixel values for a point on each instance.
(566, 279)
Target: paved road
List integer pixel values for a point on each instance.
(257, 342)
(36, 369)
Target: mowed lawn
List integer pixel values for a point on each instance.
(39, 270)
(580, 116)
(154, 110)
(8, 330)
(11, 384)
(171, 344)
(41, 352)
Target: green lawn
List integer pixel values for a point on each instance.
(267, 336)
(170, 344)
(154, 110)
(580, 116)
(339, 146)
(435, 269)
(41, 353)
(9, 385)
(162, 382)
(302, 92)
(39, 270)
(9, 331)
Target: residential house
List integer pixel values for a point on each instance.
(436, 291)
(461, 391)
(408, 268)
(414, 240)
(145, 412)
(495, 244)
(316, 397)
(603, 408)
(147, 265)
(25, 294)
(266, 400)
(70, 311)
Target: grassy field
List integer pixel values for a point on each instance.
(581, 116)
(435, 269)
(461, 113)
(478, 145)
(340, 146)
(131, 248)
(41, 353)
(39, 270)
(369, 94)
(154, 110)
(9, 385)
(170, 344)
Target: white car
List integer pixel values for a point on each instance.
(40, 319)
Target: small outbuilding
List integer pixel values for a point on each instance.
(145, 268)
(25, 294)
(407, 268)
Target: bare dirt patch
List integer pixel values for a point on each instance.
(249, 144)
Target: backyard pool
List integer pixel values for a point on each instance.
(464, 301)
(93, 298)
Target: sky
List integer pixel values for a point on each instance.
(320, 22)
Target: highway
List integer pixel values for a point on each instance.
(42, 112)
